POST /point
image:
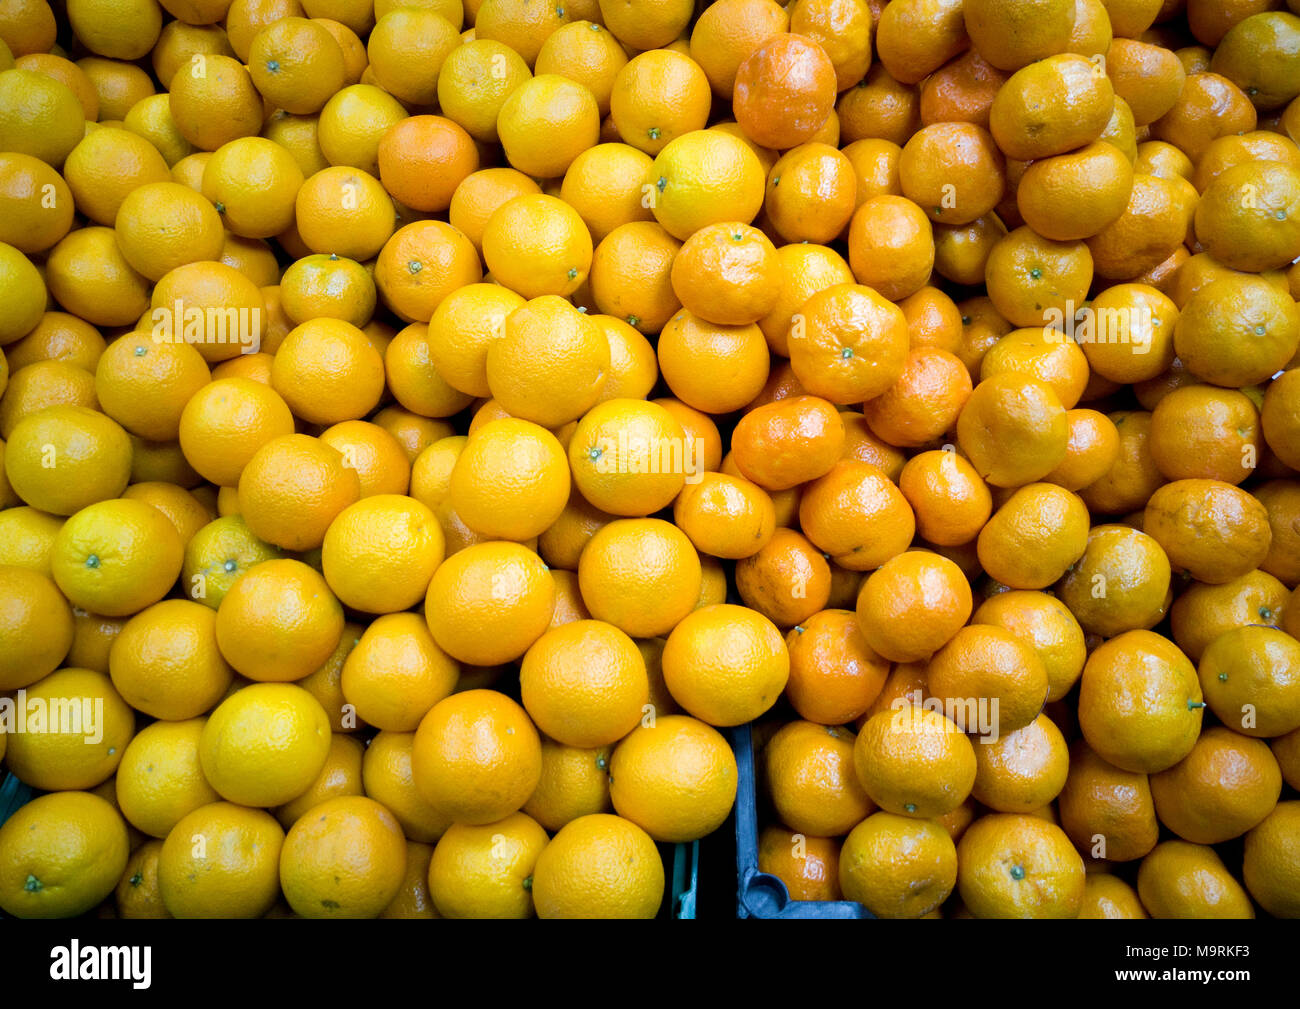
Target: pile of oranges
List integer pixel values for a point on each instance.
(427, 424)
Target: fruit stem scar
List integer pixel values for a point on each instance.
(415, 266)
(1017, 872)
(92, 561)
(1193, 705)
(33, 885)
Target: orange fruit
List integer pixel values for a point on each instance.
(423, 159)
(1017, 866)
(725, 516)
(676, 778)
(726, 33)
(784, 91)
(891, 246)
(950, 501)
(857, 515)
(912, 761)
(1035, 537)
(631, 457)
(704, 177)
(1249, 675)
(599, 866)
(897, 866)
(1182, 880)
(421, 264)
(1050, 107)
(1269, 863)
(789, 442)
(546, 122)
(584, 683)
(1212, 529)
(924, 402)
(991, 666)
(604, 185)
(725, 664)
(912, 605)
(476, 757)
(808, 866)
(488, 602)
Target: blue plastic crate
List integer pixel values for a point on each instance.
(760, 894)
(685, 879)
(13, 794)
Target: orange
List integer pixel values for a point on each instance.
(1280, 415)
(1269, 865)
(91, 456)
(691, 351)
(407, 48)
(1254, 55)
(546, 345)
(353, 123)
(584, 684)
(788, 442)
(897, 866)
(421, 264)
(212, 306)
(116, 557)
(1223, 788)
(1106, 810)
(319, 286)
(675, 778)
(599, 866)
(1022, 770)
(475, 81)
(423, 159)
(811, 193)
(891, 246)
(159, 779)
(1051, 107)
(63, 854)
(88, 277)
(857, 515)
(584, 51)
(990, 665)
(1251, 682)
(604, 185)
(803, 270)
(1139, 703)
(1047, 626)
(924, 402)
(912, 605)
(880, 108)
(145, 385)
(808, 866)
(344, 212)
(346, 860)
(523, 26)
(937, 154)
(630, 457)
(81, 744)
(1035, 537)
(163, 225)
(914, 762)
(1182, 880)
(574, 783)
(810, 775)
(784, 91)
(933, 319)
(243, 762)
(481, 193)
(727, 32)
(1075, 195)
(486, 871)
(463, 325)
(1247, 217)
(658, 96)
(1279, 498)
(1121, 582)
(165, 661)
(786, 581)
(379, 554)
(727, 274)
(43, 118)
(511, 481)
(641, 575)
(1148, 77)
(292, 488)
(1033, 281)
(214, 101)
(1128, 333)
(537, 245)
(1208, 107)
(43, 385)
(725, 516)
(395, 673)
(848, 344)
(950, 501)
(488, 602)
(1212, 529)
(235, 877)
(546, 123)
(834, 675)
(704, 177)
(633, 368)
(1203, 612)
(1018, 866)
(962, 90)
(297, 65)
(36, 626)
(725, 664)
(631, 275)
(476, 757)
(280, 622)
(1203, 431)
(1009, 38)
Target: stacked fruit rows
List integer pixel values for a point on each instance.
(426, 424)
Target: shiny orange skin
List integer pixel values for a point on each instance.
(784, 91)
(788, 442)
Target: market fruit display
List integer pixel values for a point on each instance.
(429, 432)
